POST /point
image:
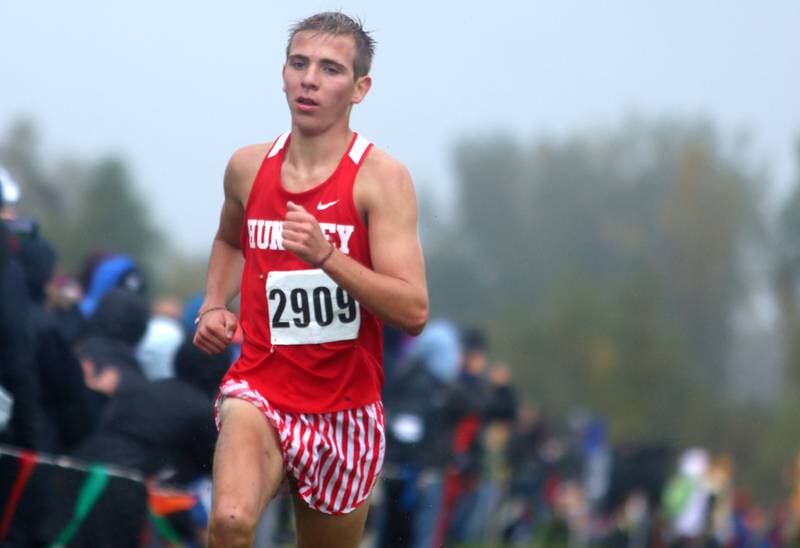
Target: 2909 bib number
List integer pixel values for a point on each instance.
(322, 307)
(308, 307)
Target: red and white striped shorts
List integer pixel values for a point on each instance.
(335, 458)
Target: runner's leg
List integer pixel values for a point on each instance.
(319, 530)
(248, 469)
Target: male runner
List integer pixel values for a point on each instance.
(318, 231)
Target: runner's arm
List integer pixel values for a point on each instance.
(394, 288)
(226, 261)
(216, 325)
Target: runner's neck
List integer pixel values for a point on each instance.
(307, 153)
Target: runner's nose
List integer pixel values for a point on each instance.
(310, 78)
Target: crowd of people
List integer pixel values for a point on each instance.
(102, 389)
(92, 371)
(469, 463)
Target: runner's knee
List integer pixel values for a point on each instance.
(231, 525)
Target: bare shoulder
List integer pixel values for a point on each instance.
(383, 177)
(242, 169)
(381, 165)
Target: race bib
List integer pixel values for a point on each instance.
(307, 307)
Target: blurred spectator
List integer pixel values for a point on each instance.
(686, 498)
(63, 295)
(502, 404)
(596, 462)
(164, 335)
(16, 352)
(721, 511)
(461, 485)
(64, 397)
(163, 424)
(421, 409)
(528, 473)
(497, 424)
(64, 291)
(395, 345)
(104, 272)
(790, 519)
(107, 355)
(164, 428)
(20, 400)
(636, 481)
(89, 266)
(115, 271)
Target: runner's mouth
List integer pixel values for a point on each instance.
(307, 101)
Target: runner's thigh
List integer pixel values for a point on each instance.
(248, 464)
(319, 530)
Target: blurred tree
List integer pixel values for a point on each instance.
(787, 279)
(707, 219)
(182, 276)
(19, 153)
(112, 216)
(608, 349)
(607, 266)
(81, 206)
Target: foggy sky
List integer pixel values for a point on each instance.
(176, 87)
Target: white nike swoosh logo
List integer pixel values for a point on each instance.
(321, 206)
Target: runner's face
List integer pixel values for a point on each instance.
(318, 80)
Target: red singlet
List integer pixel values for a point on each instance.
(308, 346)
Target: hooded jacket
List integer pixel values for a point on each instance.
(64, 396)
